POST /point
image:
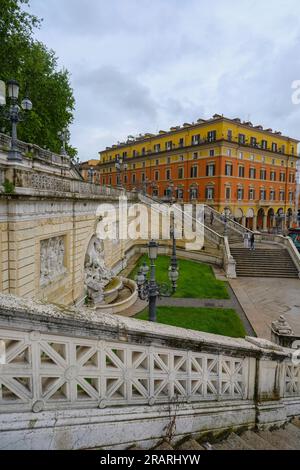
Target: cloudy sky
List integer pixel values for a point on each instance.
(144, 65)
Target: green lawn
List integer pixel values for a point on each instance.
(220, 321)
(196, 280)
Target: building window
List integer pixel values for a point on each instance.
(143, 177)
(194, 171)
(253, 141)
(263, 159)
(241, 171)
(291, 178)
(156, 162)
(228, 152)
(133, 178)
(124, 154)
(181, 158)
(195, 155)
(252, 157)
(212, 136)
(228, 193)
(274, 147)
(242, 139)
(282, 162)
(210, 192)
(292, 164)
(251, 194)
(196, 139)
(168, 160)
(263, 174)
(179, 193)
(273, 161)
(157, 148)
(281, 195)
(228, 169)
(264, 144)
(282, 177)
(194, 193)
(240, 194)
(181, 143)
(168, 174)
(143, 151)
(283, 148)
(180, 173)
(263, 195)
(241, 155)
(252, 173)
(291, 196)
(272, 195)
(125, 178)
(229, 135)
(134, 153)
(169, 145)
(156, 175)
(212, 153)
(133, 166)
(273, 175)
(210, 169)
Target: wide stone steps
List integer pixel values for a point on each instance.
(263, 262)
(286, 438)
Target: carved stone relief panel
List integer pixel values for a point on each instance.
(52, 259)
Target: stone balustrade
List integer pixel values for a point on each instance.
(74, 373)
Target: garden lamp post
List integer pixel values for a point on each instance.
(149, 288)
(14, 114)
(226, 216)
(121, 166)
(63, 136)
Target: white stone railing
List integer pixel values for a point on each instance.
(229, 262)
(57, 364)
(231, 224)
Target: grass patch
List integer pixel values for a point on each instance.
(196, 280)
(219, 321)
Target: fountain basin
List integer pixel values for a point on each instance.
(125, 302)
(111, 291)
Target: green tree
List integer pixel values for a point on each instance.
(35, 67)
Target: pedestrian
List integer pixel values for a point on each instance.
(211, 218)
(246, 240)
(252, 241)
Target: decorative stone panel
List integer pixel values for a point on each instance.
(52, 259)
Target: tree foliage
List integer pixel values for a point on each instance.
(35, 67)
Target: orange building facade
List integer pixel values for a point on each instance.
(222, 162)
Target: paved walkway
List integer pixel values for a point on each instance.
(264, 300)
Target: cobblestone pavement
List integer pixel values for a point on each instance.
(265, 299)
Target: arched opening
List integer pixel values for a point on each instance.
(270, 219)
(249, 219)
(260, 219)
(239, 216)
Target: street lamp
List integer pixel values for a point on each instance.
(226, 214)
(64, 136)
(15, 115)
(121, 166)
(91, 172)
(149, 288)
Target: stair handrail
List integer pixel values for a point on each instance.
(212, 235)
(236, 226)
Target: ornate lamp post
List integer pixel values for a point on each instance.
(121, 166)
(15, 115)
(91, 173)
(63, 136)
(150, 289)
(226, 215)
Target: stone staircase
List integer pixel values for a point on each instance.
(264, 262)
(286, 438)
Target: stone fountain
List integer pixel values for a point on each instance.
(105, 291)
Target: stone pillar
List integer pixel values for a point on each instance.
(244, 221)
(255, 222)
(265, 223)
